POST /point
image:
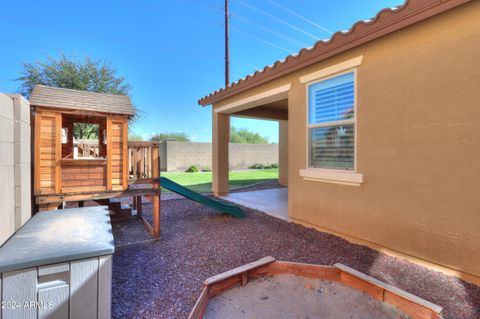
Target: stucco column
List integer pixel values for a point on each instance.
(220, 140)
(283, 153)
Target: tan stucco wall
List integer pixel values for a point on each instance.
(418, 145)
(283, 153)
(220, 154)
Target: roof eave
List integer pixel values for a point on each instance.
(385, 22)
(56, 107)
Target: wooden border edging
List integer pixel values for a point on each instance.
(415, 307)
(238, 271)
(200, 307)
(305, 270)
(407, 302)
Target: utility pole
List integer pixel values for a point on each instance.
(227, 49)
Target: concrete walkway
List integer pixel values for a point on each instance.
(273, 201)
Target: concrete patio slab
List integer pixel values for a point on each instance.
(273, 202)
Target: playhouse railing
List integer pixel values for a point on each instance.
(143, 160)
(86, 149)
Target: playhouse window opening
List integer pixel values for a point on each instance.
(86, 143)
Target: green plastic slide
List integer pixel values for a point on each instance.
(220, 205)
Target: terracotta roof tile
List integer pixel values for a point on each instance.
(386, 21)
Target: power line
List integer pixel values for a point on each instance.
(301, 17)
(249, 65)
(279, 20)
(264, 28)
(207, 21)
(204, 5)
(263, 40)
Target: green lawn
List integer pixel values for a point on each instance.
(202, 181)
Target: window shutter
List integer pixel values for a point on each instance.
(332, 100)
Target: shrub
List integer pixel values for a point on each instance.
(263, 166)
(206, 169)
(192, 169)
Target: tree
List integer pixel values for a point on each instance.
(85, 131)
(245, 136)
(70, 73)
(170, 136)
(135, 137)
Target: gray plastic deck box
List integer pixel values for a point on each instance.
(58, 265)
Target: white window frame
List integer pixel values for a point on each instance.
(332, 175)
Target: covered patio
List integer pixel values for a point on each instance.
(273, 202)
(270, 104)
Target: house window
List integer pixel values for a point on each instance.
(331, 123)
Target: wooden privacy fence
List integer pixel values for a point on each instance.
(143, 160)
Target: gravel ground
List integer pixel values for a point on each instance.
(163, 278)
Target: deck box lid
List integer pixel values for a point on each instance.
(58, 236)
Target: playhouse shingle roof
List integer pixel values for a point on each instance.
(48, 96)
(386, 21)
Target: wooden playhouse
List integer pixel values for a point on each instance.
(81, 151)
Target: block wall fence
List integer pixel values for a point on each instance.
(15, 161)
(178, 156)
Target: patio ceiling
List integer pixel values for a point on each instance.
(277, 110)
(271, 104)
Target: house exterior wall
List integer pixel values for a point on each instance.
(417, 144)
(283, 153)
(15, 189)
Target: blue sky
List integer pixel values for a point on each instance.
(171, 52)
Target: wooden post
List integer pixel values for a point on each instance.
(124, 154)
(155, 163)
(138, 205)
(58, 152)
(156, 215)
(109, 153)
(135, 161)
(81, 203)
(36, 162)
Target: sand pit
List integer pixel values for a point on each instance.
(268, 288)
(290, 296)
